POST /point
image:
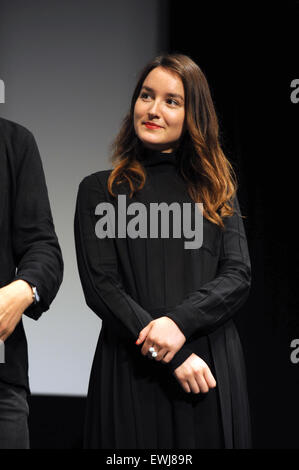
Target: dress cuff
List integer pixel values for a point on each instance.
(179, 358)
(182, 315)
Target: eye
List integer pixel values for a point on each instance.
(144, 95)
(172, 102)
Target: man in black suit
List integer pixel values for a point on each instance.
(31, 270)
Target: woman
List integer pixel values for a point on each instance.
(183, 384)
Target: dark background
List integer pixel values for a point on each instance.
(249, 56)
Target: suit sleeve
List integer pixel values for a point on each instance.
(97, 266)
(204, 310)
(36, 249)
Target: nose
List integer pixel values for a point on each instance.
(154, 109)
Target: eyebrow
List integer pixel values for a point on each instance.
(173, 95)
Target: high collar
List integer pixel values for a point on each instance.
(156, 157)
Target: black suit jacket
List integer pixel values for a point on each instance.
(29, 248)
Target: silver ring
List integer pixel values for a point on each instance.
(152, 350)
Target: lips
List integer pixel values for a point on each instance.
(151, 125)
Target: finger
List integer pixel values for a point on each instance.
(183, 383)
(202, 382)
(146, 345)
(161, 353)
(143, 334)
(168, 357)
(185, 386)
(210, 378)
(3, 335)
(149, 353)
(193, 384)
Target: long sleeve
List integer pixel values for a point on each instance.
(96, 259)
(204, 310)
(97, 265)
(36, 249)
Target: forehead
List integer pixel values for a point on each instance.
(165, 81)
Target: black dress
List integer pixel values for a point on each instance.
(136, 402)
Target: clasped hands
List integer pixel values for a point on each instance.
(194, 375)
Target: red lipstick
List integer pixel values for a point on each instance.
(151, 125)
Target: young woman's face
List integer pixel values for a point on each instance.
(159, 111)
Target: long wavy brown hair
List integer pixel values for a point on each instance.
(210, 177)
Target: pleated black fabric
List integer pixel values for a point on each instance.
(136, 402)
(133, 403)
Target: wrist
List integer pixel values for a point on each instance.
(24, 290)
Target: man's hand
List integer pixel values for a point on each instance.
(194, 375)
(164, 335)
(14, 299)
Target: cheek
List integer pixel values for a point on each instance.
(137, 118)
(177, 122)
(138, 111)
(182, 120)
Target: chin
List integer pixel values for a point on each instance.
(151, 141)
(153, 145)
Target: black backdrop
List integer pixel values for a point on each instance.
(249, 56)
